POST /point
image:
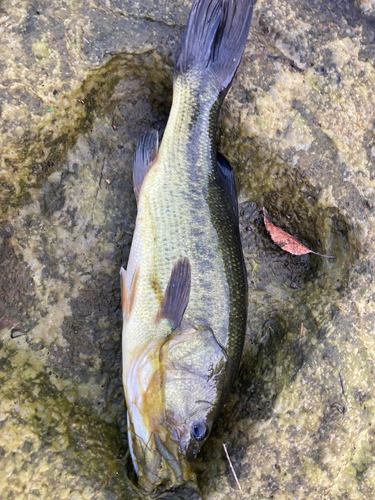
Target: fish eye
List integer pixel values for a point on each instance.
(199, 430)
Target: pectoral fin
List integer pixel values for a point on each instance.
(144, 157)
(176, 296)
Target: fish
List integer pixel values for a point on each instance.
(184, 292)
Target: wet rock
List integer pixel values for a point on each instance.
(79, 83)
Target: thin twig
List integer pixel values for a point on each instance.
(231, 466)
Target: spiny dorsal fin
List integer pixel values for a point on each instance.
(144, 157)
(176, 296)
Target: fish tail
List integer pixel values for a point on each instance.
(214, 38)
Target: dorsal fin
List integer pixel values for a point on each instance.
(225, 173)
(144, 157)
(177, 293)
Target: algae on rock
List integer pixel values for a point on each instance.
(79, 83)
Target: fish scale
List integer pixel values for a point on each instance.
(184, 208)
(180, 220)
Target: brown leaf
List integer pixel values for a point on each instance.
(287, 242)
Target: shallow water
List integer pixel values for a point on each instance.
(298, 128)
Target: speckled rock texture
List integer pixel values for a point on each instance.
(79, 83)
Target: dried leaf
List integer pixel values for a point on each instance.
(287, 242)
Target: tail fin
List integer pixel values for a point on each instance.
(215, 37)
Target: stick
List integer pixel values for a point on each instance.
(231, 466)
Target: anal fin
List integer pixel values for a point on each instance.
(128, 295)
(124, 290)
(177, 293)
(144, 157)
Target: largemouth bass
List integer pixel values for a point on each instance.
(184, 293)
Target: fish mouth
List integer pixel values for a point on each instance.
(159, 464)
(173, 462)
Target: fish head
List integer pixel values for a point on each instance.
(174, 393)
(194, 386)
(156, 457)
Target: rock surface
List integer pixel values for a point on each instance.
(79, 83)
